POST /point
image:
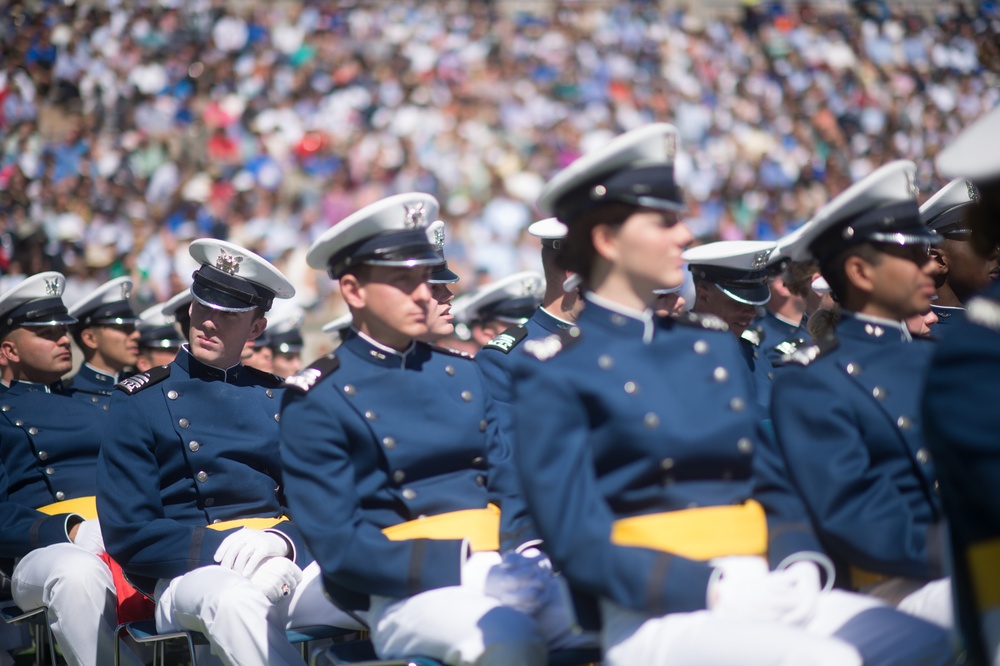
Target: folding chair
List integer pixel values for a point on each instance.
(41, 633)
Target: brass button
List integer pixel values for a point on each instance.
(409, 493)
(737, 404)
(467, 396)
(937, 487)
(701, 347)
(32, 431)
(651, 420)
(449, 370)
(904, 423)
(667, 463)
(184, 423)
(389, 442)
(107, 408)
(60, 496)
(277, 418)
(853, 369)
(878, 393)
(216, 521)
(43, 455)
(399, 476)
(50, 471)
(923, 456)
(605, 362)
(370, 415)
(194, 446)
(209, 501)
(720, 374)
(482, 425)
(349, 389)
(574, 331)
(744, 445)
(19, 423)
(269, 393)
(5, 408)
(480, 480)
(95, 399)
(631, 387)
(172, 395)
(201, 476)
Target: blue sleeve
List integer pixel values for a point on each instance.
(494, 367)
(321, 485)
(24, 528)
(137, 533)
(560, 485)
(858, 512)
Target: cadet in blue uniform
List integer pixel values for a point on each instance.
(106, 334)
(284, 335)
(558, 310)
(393, 459)
(49, 445)
(159, 337)
(496, 306)
(848, 423)
(730, 281)
(960, 269)
(440, 320)
(190, 489)
(640, 449)
(961, 419)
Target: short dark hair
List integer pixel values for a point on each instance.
(833, 269)
(798, 277)
(576, 252)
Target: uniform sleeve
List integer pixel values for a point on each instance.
(25, 529)
(494, 368)
(320, 480)
(858, 512)
(137, 533)
(560, 485)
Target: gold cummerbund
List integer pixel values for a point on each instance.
(698, 534)
(83, 506)
(249, 523)
(983, 559)
(480, 526)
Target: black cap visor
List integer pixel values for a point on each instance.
(220, 291)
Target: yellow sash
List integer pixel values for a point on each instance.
(84, 506)
(480, 526)
(249, 523)
(984, 567)
(697, 534)
(862, 579)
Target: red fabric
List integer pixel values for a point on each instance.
(132, 604)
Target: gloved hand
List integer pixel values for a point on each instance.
(476, 568)
(89, 537)
(277, 578)
(520, 582)
(743, 587)
(243, 550)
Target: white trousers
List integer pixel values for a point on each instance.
(932, 602)
(77, 589)
(242, 626)
(703, 638)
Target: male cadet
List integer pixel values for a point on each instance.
(494, 307)
(557, 312)
(730, 282)
(440, 320)
(284, 338)
(848, 419)
(960, 270)
(159, 337)
(49, 444)
(960, 412)
(190, 490)
(393, 463)
(106, 334)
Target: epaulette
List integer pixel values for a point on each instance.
(266, 377)
(808, 354)
(708, 321)
(545, 348)
(509, 339)
(450, 351)
(984, 311)
(754, 336)
(136, 383)
(306, 378)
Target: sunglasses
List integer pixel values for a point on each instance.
(919, 253)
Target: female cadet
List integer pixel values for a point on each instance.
(643, 462)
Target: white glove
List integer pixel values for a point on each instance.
(520, 582)
(277, 578)
(743, 587)
(244, 550)
(477, 567)
(89, 537)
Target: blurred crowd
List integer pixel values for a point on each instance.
(129, 128)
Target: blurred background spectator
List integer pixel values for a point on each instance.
(130, 128)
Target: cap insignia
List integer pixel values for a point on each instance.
(670, 144)
(228, 263)
(416, 217)
(51, 287)
(439, 238)
(126, 290)
(973, 192)
(760, 259)
(911, 184)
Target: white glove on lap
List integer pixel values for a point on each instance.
(477, 567)
(276, 578)
(744, 588)
(89, 537)
(244, 550)
(520, 582)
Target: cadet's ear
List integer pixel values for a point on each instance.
(940, 260)
(352, 290)
(8, 353)
(258, 326)
(89, 338)
(604, 237)
(859, 273)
